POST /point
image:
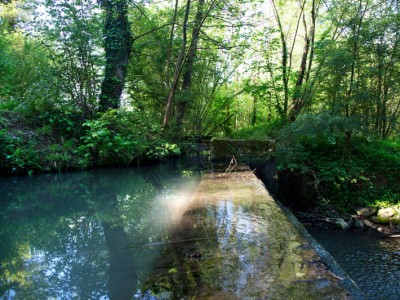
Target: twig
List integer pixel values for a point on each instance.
(232, 165)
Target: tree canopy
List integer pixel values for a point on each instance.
(115, 81)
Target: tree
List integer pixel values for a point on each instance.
(72, 34)
(117, 46)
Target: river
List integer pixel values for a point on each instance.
(86, 235)
(156, 232)
(372, 262)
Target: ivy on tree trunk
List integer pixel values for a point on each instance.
(117, 44)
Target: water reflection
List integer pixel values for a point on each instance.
(154, 233)
(221, 249)
(83, 235)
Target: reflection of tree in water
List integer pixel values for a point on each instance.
(228, 237)
(182, 268)
(72, 235)
(48, 214)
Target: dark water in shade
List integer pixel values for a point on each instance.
(373, 263)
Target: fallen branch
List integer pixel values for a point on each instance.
(232, 165)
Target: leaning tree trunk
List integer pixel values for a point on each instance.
(178, 69)
(298, 102)
(188, 67)
(284, 62)
(118, 44)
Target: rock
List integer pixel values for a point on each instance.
(386, 212)
(365, 211)
(369, 224)
(338, 222)
(359, 224)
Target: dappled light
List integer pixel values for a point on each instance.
(128, 130)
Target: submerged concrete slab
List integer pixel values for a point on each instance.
(233, 241)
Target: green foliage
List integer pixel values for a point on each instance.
(62, 156)
(63, 123)
(162, 150)
(17, 155)
(313, 131)
(260, 131)
(73, 33)
(119, 137)
(387, 200)
(26, 74)
(312, 148)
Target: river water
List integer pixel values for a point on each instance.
(87, 235)
(141, 233)
(372, 262)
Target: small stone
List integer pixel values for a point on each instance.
(365, 211)
(359, 224)
(386, 212)
(369, 224)
(338, 222)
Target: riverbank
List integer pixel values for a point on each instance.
(381, 219)
(62, 141)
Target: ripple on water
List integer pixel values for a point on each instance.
(373, 263)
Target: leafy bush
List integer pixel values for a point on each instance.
(62, 123)
(312, 148)
(161, 150)
(119, 137)
(16, 156)
(62, 156)
(260, 131)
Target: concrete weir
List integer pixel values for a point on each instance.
(238, 243)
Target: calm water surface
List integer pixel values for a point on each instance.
(87, 235)
(151, 233)
(373, 263)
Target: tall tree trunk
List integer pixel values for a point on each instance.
(188, 68)
(178, 69)
(314, 11)
(304, 70)
(298, 102)
(284, 67)
(253, 119)
(118, 45)
(378, 95)
(355, 57)
(171, 38)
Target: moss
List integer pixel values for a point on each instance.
(394, 221)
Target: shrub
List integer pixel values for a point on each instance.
(17, 156)
(313, 148)
(119, 137)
